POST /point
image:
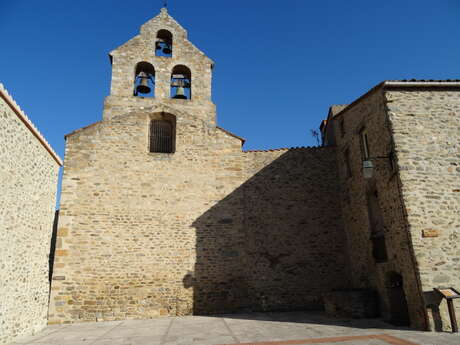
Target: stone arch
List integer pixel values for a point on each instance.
(181, 82)
(144, 79)
(164, 43)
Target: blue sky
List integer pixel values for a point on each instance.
(279, 64)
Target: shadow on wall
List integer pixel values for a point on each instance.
(53, 246)
(433, 302)
(399, 312)
(276, 242)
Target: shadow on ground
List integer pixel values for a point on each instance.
(314, 318)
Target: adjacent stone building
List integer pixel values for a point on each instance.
(162, 213)
(403, 223)
(28, 173)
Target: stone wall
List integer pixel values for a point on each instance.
(205, 229)
(425, 123)
(147, 234)
(126, 239)
(275, 242)
(142, 48)
(369, 113)
(28, 175)
(295, 241)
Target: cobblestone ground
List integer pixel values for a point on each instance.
(298, 328)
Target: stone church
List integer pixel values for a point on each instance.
(163, 213)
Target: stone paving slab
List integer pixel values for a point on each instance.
(296, 328)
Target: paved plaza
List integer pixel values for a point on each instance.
(291, 328)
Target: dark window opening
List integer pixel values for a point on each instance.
(342, 127)
(377, 228)
(144, 80)
(164, 43)
(181, 82)
(379, 249)
(162, 136)
(364, 145)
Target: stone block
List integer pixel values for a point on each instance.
(430, 233)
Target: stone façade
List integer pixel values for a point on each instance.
(205, 229)
(28, 174)
(211, 228)
(414, 127)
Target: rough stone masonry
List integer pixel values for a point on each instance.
(207, 227)
(28, 174)
(410, 208)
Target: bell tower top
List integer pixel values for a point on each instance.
(160, 65)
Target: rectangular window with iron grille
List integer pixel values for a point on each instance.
(161, 136)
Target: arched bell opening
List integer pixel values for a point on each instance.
(181, 82)
(164, 43)
(399, 312)
(144, 80)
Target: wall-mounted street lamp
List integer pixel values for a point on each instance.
(368, 166)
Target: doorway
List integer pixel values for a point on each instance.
(399, 312)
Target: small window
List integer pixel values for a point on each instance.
(364, 145)
(346, 157)
(342, 127)
(379, 249)
(161, 136)
(181, 82)
(377, 228)
(164, 43)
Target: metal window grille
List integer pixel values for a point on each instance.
(161, 136)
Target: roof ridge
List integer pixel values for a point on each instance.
(25, 119)
(289, 148)
(231, 134)
(425, 80)
(82, 128)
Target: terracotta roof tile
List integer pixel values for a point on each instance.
(428, 80)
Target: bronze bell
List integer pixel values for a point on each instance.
(167, 49)
(180, 93)
(143, 86)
